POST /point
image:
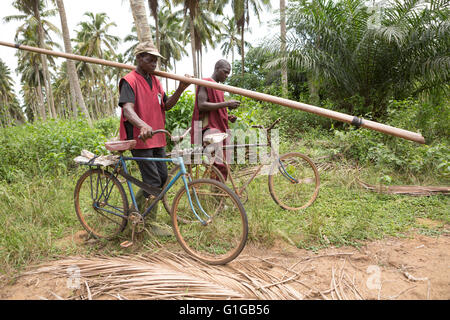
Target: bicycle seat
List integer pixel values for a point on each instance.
(215, 137)
(121, 145)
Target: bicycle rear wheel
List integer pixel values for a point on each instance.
(294, 181)
(196, 171)
(224, 232)
(101, 204)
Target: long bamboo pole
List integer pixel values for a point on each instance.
(401, 133)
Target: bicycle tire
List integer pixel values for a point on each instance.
(194, 170)
(295, 185)
(97, 187)
(224, 237)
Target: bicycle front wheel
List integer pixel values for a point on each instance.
(209, 222)
(101, 204)
(294, 181)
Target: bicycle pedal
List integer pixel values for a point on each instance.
(126, 244)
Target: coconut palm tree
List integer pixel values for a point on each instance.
(35, 7)
(30, 64)
(10, 111)
(229, 37)
(140, 20)
(207, 34)
(171, 44)
(94, 40)
(241, 10)
(284, 74)
(203, 29)
(191, 8)
(77, 97)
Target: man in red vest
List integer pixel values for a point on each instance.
(211, 108)
(144, 104)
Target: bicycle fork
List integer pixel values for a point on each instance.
(185, 181)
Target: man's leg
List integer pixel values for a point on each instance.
(149, 170)
(155, 174)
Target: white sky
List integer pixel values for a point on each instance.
(119, 12)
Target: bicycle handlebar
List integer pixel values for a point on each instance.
(268, 128)
(155, 132)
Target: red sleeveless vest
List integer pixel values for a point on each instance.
(149, 106)
(217, 119)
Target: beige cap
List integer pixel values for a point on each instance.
(148, 47)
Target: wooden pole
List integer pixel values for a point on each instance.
(401, 133)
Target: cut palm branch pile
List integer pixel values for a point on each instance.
(407, 190)
(168, 276)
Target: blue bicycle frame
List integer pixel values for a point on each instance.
(181, 173)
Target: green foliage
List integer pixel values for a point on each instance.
(390, 153)
(178, 119)
(49, 148)
(353, 49)
(180, 115)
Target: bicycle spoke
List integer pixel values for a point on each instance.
(225, 233)
(100, 203)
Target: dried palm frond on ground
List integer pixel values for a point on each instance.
(168, 276)
(408, 190)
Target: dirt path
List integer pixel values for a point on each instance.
(393, 268)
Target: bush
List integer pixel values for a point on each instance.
(392, 153)
(49, 147)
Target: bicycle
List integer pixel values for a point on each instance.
(293, 178)
(208, 218)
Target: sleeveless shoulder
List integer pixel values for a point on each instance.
(130, 78)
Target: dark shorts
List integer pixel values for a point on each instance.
(153, 173)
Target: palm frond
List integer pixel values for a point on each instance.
(167, 275)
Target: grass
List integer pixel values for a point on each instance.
(38, 220)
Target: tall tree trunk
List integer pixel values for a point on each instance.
(284, 76)
(42, 113)
(46, 73)
(232, 56)
(242, 51)
(313, 86)
(140, 20)
(194, 55)
(71, 69)
(153, 6)
(175, 70)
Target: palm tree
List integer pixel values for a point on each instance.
(94, 37)
(284, 76)
(406, 54)
(10, 111)
(153, 7)
(34, 7)
(241, 9)
(207, 33)
(229, 37)
(140, 20)
(30, 64)
(191, 7)
(94, 40)
(171, 44)
(202, 27)
(77, 97)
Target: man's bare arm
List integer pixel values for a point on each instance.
(133, 118)
(173, 99)
(204, 105)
